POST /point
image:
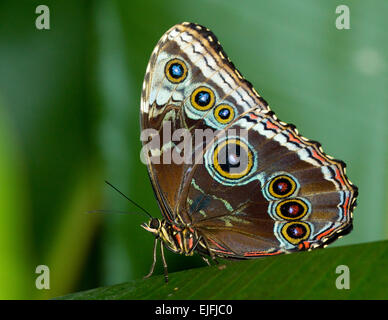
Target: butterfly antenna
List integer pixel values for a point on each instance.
(111, 212)
(130, 200)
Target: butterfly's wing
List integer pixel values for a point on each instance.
(273, 192)
(166, 103)
(250, 216)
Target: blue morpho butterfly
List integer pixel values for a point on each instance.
(287, 195)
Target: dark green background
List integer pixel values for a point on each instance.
(69, 119)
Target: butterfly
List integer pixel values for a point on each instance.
(257, 188)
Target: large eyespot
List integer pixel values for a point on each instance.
(224, 113)
(202, 98)
(282, 186)
(232, 159)
(292, 209)
(296, 232)
(175, 70)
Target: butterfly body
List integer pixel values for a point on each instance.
(231, 179)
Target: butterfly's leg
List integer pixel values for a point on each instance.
(153, 263)
(206, 260)
(211, 254)
(202, 256)
(164, 262)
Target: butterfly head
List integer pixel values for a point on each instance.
(162, 230)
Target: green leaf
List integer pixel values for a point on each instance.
(304, 275)
(15, 251)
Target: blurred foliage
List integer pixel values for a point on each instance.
(69, 118)
(309, 275)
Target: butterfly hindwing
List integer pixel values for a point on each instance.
(316, 209)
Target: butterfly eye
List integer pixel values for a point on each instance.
(282, 186)
(232, 159)
(224, 113)
(296, 232)
(176, 71)
(202, 98)
(154, 223)
(292, 209)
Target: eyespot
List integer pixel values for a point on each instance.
(175, 70)
(292, 209)
(224, 113)
(232, 159)
(296, 232)
(202, 98)
(282, 186)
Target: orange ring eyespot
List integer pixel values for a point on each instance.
(282, 186)
(235, 163)
(296, 232)
(202, 98)
(224, 113)
(175, 71)
(292, 209)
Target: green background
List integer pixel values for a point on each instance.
(69, 119)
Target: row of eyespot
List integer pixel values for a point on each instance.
(202, 98)
(292, 210)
